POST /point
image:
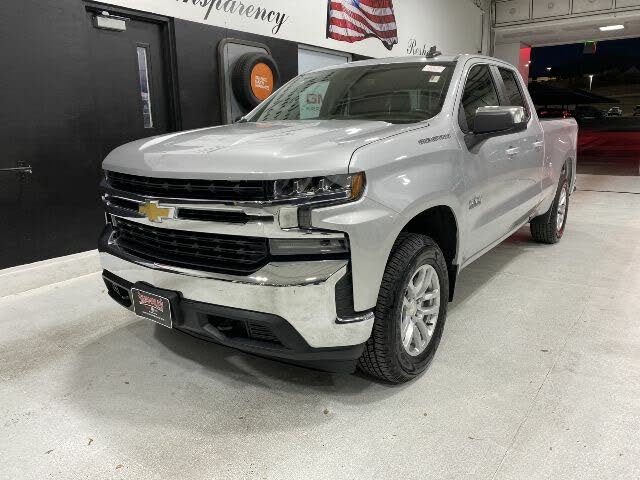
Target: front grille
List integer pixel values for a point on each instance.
(123, 203)
(193, 250)
(262, 333)
(211, 190)
(220, 216)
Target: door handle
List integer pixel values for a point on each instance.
(538, 145)
(27, 169)
(511, 152)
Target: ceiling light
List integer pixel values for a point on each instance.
(611, 28)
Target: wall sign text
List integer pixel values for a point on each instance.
(237, 7)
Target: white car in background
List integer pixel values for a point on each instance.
(614, 112)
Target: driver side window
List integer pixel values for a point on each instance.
(479, 91)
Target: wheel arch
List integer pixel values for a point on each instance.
(440, 223)
(570, 167)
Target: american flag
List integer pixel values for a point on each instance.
(354, 20)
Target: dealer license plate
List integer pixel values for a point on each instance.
(152, 307)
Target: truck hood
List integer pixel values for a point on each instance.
(281, 149)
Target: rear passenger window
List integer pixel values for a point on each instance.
(512, 89)
(478, 92)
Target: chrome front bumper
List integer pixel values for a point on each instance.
(301, 293)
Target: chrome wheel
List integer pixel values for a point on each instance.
(420, 310)
(562, 208)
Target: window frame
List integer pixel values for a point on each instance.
(464, 127)
(516, 76)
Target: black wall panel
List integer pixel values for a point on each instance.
(48, 120)
(197, 59)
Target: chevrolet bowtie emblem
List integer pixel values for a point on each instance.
(154, 212)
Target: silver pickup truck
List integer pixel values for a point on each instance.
(328, 226)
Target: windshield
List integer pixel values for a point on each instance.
(394, 93)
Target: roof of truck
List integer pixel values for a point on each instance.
(409, 59)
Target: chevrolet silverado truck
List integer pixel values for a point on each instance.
(328, 226)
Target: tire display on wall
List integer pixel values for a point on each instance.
(255, 76)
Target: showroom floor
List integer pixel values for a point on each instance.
(537, 377)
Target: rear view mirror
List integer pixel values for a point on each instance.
(492, 121)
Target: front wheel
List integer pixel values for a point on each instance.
(411, 311)
(549, 228)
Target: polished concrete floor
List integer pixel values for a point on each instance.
(537, 377)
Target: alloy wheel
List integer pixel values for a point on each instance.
(420, 310)
(562, 208)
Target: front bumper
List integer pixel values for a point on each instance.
(312, 306)
(298, 302)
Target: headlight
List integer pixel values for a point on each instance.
(333, 187)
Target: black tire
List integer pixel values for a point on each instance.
(384, 356)
(241, 77)
(544, 229)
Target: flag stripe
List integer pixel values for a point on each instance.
(346, 32)
(360, 27)
(346, 38)
(352, 17)
(384, 7)
(358, 16)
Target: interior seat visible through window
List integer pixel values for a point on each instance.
(375, 105)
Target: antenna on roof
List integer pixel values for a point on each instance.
(433, 52)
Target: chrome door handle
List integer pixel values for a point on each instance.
(513, 151)
(27, 169)
(538, 145)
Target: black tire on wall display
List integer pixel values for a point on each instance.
(255, 76)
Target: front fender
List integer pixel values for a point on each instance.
(407, 174)
(372, 230)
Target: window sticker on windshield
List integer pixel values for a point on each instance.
(434, 68)
(434, 79)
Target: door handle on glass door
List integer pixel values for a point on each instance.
(27, 169)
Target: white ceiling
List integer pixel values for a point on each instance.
(570, 30)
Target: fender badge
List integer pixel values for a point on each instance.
(438, 138)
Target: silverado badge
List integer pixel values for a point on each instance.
(154, 212)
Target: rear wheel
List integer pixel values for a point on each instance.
(549, 228)
(411, 311)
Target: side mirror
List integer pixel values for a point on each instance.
(493, 121)
(499, 119)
